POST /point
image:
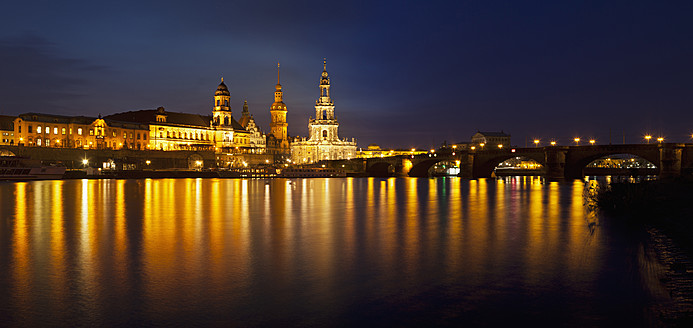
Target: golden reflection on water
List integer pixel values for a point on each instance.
(184, 240)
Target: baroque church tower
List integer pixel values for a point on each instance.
(278, 125)
(325, 125)
(222, 106)
(323, 142)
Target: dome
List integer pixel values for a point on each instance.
(222, 90)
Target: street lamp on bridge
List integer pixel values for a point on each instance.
(648, 137)
(577, 141)
(536, 143)
(553, 143)
(592, 141)
(660, 139)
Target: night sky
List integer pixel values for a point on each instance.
(403, 74)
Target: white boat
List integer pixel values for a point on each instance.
(311, 172)
(20, 168)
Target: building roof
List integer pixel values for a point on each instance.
(493, 134)
(172, 118)
(7, 122)
(222, 90)
(84, 120)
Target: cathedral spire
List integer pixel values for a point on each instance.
(277, 72)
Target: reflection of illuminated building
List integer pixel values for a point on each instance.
(520, 163)
(621, 162)
(374, 150)
(324, 142)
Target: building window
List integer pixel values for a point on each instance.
(20, 129)
(55, 130)
(38, 141)
(79, 131)
(63, 131)
(114, 133)
(91, 132)
(125, 135)
(324, 134)
(38, 130)
(144, 136)
(48, 142)
(132, 136)
(138, 136)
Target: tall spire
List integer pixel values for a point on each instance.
(277, 72)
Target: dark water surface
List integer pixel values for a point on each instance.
(325, 252)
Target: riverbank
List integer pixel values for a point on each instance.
(663, 212)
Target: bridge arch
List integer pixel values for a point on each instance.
(381, 169)
(484, 164)
(576, 163)
(6, 152)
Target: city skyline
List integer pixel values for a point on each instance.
(404, 76)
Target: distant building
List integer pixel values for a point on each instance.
(154, 129)
(7, 130)
(374, 150)
(490, 140)
(324, 142)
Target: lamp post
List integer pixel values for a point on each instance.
(577, 141)
(660, 139)
(536, 143)
(648, 137)
(553, 143)
(592, 141)
(500, 146)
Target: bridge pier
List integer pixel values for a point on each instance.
(467, 165)
(670, 160)
(555, 162)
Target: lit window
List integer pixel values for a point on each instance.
(63, 130)
(48, 142)
(38, 142)
(79, 131)
(91, 132)
(125, 135)
(131, 136)
(55, 130)
(38, 130)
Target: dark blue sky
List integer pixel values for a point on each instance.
(403, 73)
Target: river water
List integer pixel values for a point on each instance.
(324, 252)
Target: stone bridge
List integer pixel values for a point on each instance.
(671, 159)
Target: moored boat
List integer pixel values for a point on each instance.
(19, 168)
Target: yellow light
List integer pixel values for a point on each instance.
(413, 150)
(648, 137)
(21, 139)
(660, 139)
(553, 143)
(536, 142)
(148, 162)
(500, 146)
(482, 145)
(577, 141)
(454, 146)
(433, 150)
(592, 141)
(473, 147)
(85, 161)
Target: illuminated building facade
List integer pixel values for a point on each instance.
(324, 142)
(57, 131)
(155, 129)
(6, 130)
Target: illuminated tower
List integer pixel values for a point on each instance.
(278, 125)
(324, 126)
(222, 107)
